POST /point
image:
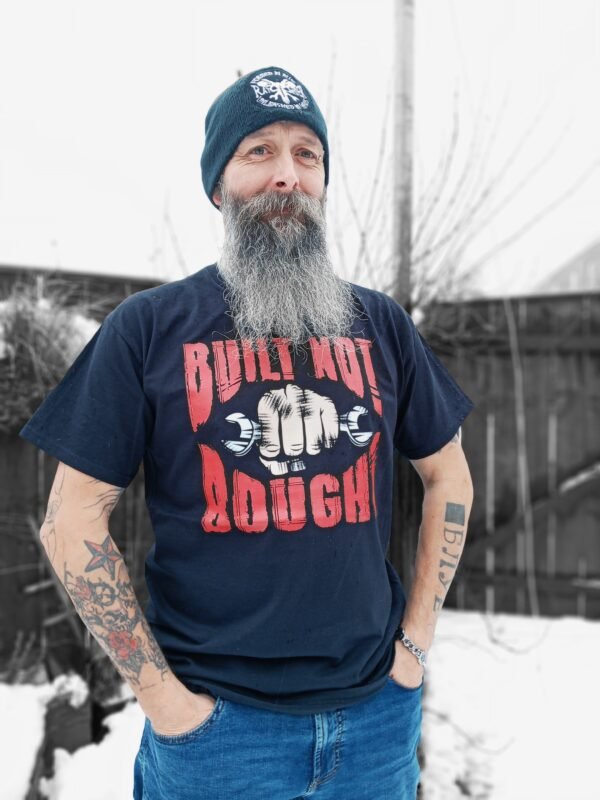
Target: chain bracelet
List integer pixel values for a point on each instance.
(410, 645)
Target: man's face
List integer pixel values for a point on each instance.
(282, 157)
(275, 261)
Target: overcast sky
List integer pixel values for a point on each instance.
(102, 111)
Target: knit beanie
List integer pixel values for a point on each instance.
(257, 99)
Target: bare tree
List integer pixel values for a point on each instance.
(457, 203)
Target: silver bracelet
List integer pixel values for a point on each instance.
(421, 656)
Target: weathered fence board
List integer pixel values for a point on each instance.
(559, 355)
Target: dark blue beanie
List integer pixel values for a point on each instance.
(257, 99)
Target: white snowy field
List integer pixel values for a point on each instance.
(508, 714)
(511, 708)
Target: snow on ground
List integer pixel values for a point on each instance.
(21, 731)
(110, 762)
(511, 708)
(509, 713)
(22, 710)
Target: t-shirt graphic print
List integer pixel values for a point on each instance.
(285, 472)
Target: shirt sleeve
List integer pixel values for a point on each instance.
(97, 419)
(431, 406)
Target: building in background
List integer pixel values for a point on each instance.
(580, 274)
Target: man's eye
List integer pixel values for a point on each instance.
(309, 154)
(259, 147)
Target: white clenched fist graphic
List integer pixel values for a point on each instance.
(294, 421)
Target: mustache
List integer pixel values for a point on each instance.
(302, 208)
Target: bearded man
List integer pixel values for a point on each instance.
(278, 657)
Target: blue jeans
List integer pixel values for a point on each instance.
(365, 752)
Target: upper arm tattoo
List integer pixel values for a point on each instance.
(48, 529)
(106, 500)
(456, 439)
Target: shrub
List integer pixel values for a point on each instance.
(40, 336)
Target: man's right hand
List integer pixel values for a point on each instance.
(184, 712)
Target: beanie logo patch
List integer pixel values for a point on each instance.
(282, 93)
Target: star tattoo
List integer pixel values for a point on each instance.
(104, 555)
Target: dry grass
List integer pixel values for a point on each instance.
(40, 336)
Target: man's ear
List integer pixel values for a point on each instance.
(218, 192)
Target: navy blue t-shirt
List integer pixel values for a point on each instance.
(268, 483)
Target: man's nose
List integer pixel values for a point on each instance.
(285, 175)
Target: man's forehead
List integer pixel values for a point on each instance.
(301, 132)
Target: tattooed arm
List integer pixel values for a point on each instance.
(79, 546)
(446, 507)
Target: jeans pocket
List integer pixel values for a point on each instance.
(182, 738)
(406, 688)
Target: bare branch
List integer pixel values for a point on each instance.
(537, 218)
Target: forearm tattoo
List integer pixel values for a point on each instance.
(109, 608)
(454, 531)
(105, 556)
(105, 602)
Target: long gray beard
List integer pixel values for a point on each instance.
(278, 275)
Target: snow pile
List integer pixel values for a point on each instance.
(100, 771)
(71, 686)
(22, 712)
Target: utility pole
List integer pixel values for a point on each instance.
(403, 151)
(407, 496)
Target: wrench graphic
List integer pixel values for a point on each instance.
(250, 432)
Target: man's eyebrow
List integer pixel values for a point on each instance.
(311, 139)
(305, 137)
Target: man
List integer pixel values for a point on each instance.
(279, 657)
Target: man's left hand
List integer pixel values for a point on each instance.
(406, 670)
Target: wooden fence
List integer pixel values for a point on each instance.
(35, 610)
(532, 366)
(35, 620)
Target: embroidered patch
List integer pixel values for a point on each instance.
(276, 89)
